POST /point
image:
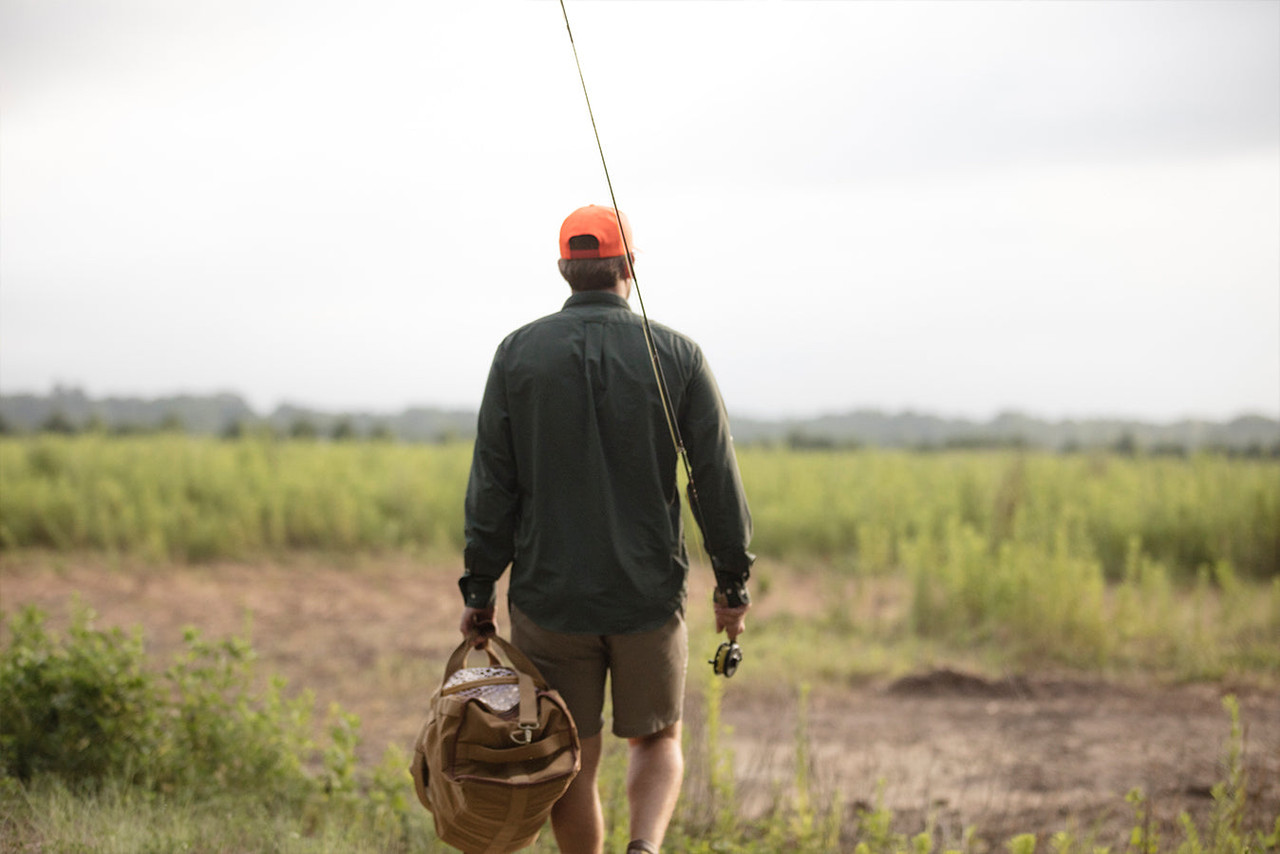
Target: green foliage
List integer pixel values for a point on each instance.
(82, 709)
(875, 829)
(1085, 560)
(221, 735)
(1023, 843)
(1226, 831)
(85, 709)
(1081, 560)
(1050, 602)
(1226, 828)
(302, 428)
(179, 497)
(171, 496)
(720, 781)
(1143, 838)
(261, 799)
(102, 752)
(58, 422)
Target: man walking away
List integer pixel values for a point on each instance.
(573, 484)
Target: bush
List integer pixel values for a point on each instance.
(220, 736)
(85, 709)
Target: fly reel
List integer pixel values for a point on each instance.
(727, 659)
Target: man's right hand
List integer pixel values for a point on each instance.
(478, 625)
(731, 621)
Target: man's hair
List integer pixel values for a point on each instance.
(592, 274)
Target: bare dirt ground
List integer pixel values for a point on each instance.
(1033, 754)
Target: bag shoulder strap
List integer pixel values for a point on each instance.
(519, 661)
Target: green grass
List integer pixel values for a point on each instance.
(861, 509)
(375, 812)
(174, 497)
(1103, 563)
(201, 756)
(1089, 561)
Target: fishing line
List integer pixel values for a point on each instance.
(668, 410)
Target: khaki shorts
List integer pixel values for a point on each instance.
(646, 670)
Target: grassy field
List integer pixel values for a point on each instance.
(1145, 570)
(1062, 559)
(184, 498)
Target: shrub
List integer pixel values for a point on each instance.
(219, 736)
(84, 708)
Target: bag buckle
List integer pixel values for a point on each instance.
(525, 735)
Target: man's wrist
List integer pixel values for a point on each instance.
(731, 573)
(732, 595)
(477, 592)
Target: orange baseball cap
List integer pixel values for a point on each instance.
(598, 222)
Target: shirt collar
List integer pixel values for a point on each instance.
(597, 298)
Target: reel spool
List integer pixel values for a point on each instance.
(727, 659)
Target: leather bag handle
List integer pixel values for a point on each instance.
(458, 659)
(517, 659)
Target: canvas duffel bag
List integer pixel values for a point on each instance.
(496, 752)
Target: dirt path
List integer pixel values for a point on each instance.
(966, 752)
(1009, 757)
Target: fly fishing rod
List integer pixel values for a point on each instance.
(729, 656)
(659, 377)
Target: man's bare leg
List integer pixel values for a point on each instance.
(655, 771)
(577, 819)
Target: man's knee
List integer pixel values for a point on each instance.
(671, 732)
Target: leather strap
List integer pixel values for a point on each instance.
(515, 812)
(459, 659)
(522, 753)
(518, 660)
(528, 704)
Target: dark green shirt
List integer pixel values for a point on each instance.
(573, 478)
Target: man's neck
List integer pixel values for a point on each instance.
(622, 289)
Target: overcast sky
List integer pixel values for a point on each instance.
(1069, 209)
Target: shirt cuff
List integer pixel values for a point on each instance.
(731, 577)
(477, 592)
(733, 590)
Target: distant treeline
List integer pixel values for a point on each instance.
(69, 410)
